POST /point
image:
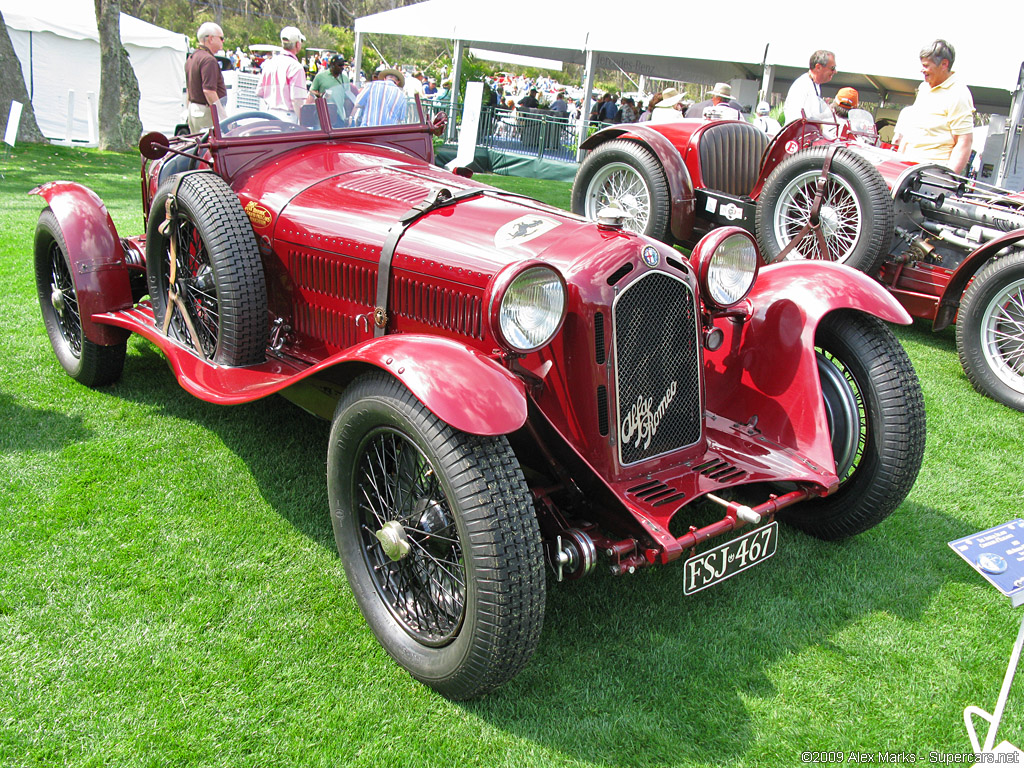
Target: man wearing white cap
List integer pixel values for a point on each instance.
(282, 85)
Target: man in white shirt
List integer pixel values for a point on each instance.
(804, 97)
(282, 85)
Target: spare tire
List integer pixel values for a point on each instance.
(856, 215)
(631, 176)
(219, 275)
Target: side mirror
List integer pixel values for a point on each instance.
(154, 145)
(439, 123)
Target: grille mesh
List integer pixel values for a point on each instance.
(657, 364)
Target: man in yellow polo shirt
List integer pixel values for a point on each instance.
(939, 127)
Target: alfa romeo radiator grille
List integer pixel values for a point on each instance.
(657, 367)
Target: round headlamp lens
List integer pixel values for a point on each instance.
(732, 270)
(532, 308)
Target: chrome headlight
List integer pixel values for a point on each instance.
(527, 307)
(727, 265)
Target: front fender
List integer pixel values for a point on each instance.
(680, 184)
(767, 367)
(97, 259)
(949, 302)
(458, 384)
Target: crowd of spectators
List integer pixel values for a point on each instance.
(938, 129)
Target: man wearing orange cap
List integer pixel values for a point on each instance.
(845, 100)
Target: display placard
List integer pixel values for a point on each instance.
(998, 555)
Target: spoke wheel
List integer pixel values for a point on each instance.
(855, 217)
(840, 214)
(874, 411)
(89, 363)
(990, 330)
(65, 300)
(217, 275)
(195, 285)
(630, 176)
(410, 541)
(621, 185)
(438, 537)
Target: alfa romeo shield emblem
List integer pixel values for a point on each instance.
(650, 255)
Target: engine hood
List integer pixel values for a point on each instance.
(351, 211)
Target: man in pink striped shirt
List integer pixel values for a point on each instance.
(282, 87)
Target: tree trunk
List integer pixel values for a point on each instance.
(12, 88)
(119, 123)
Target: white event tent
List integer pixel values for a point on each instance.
(761, 43)
(57, 43)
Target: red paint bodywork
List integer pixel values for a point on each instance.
(321, 210)
(94, 250)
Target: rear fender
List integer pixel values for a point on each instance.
(679, 183)
(767, 368)
(462, 387)
(98, 265)
(949, 301)
(791, 139)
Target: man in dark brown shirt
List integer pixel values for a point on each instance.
(204, 82)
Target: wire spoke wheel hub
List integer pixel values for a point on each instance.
(839, 216)
(1002, 333)
(410, 540)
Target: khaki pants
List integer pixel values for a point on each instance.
(200, 117)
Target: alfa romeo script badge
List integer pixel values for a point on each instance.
(650, 255)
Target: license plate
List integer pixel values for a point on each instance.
(725, 561)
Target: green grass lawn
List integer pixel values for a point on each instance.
(170, 593)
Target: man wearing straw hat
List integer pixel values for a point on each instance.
(721, 95)
(667, 110)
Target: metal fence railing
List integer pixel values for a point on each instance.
(535, 133)
(529, 132)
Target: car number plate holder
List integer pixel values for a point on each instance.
(726, 560)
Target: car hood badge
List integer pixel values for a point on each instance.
(523, 230)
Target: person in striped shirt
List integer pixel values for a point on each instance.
(382, 101)
(282, 87)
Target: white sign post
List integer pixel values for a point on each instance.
(13, 121)
(470, 126)
(998, 555)
(71, 117)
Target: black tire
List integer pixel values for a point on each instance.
(876, 422)
(86, 362)
(393, 468)
(631, 175)
(857, 213)
(990, 330)
(219, 273)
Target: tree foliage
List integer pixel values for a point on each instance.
(259, 21)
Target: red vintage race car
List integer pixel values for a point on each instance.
(942, 243)
(509, 385)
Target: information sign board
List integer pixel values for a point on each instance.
(998, 555)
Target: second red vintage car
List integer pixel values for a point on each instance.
(948, 247)
(512, 389)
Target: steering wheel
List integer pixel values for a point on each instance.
(227, 122)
